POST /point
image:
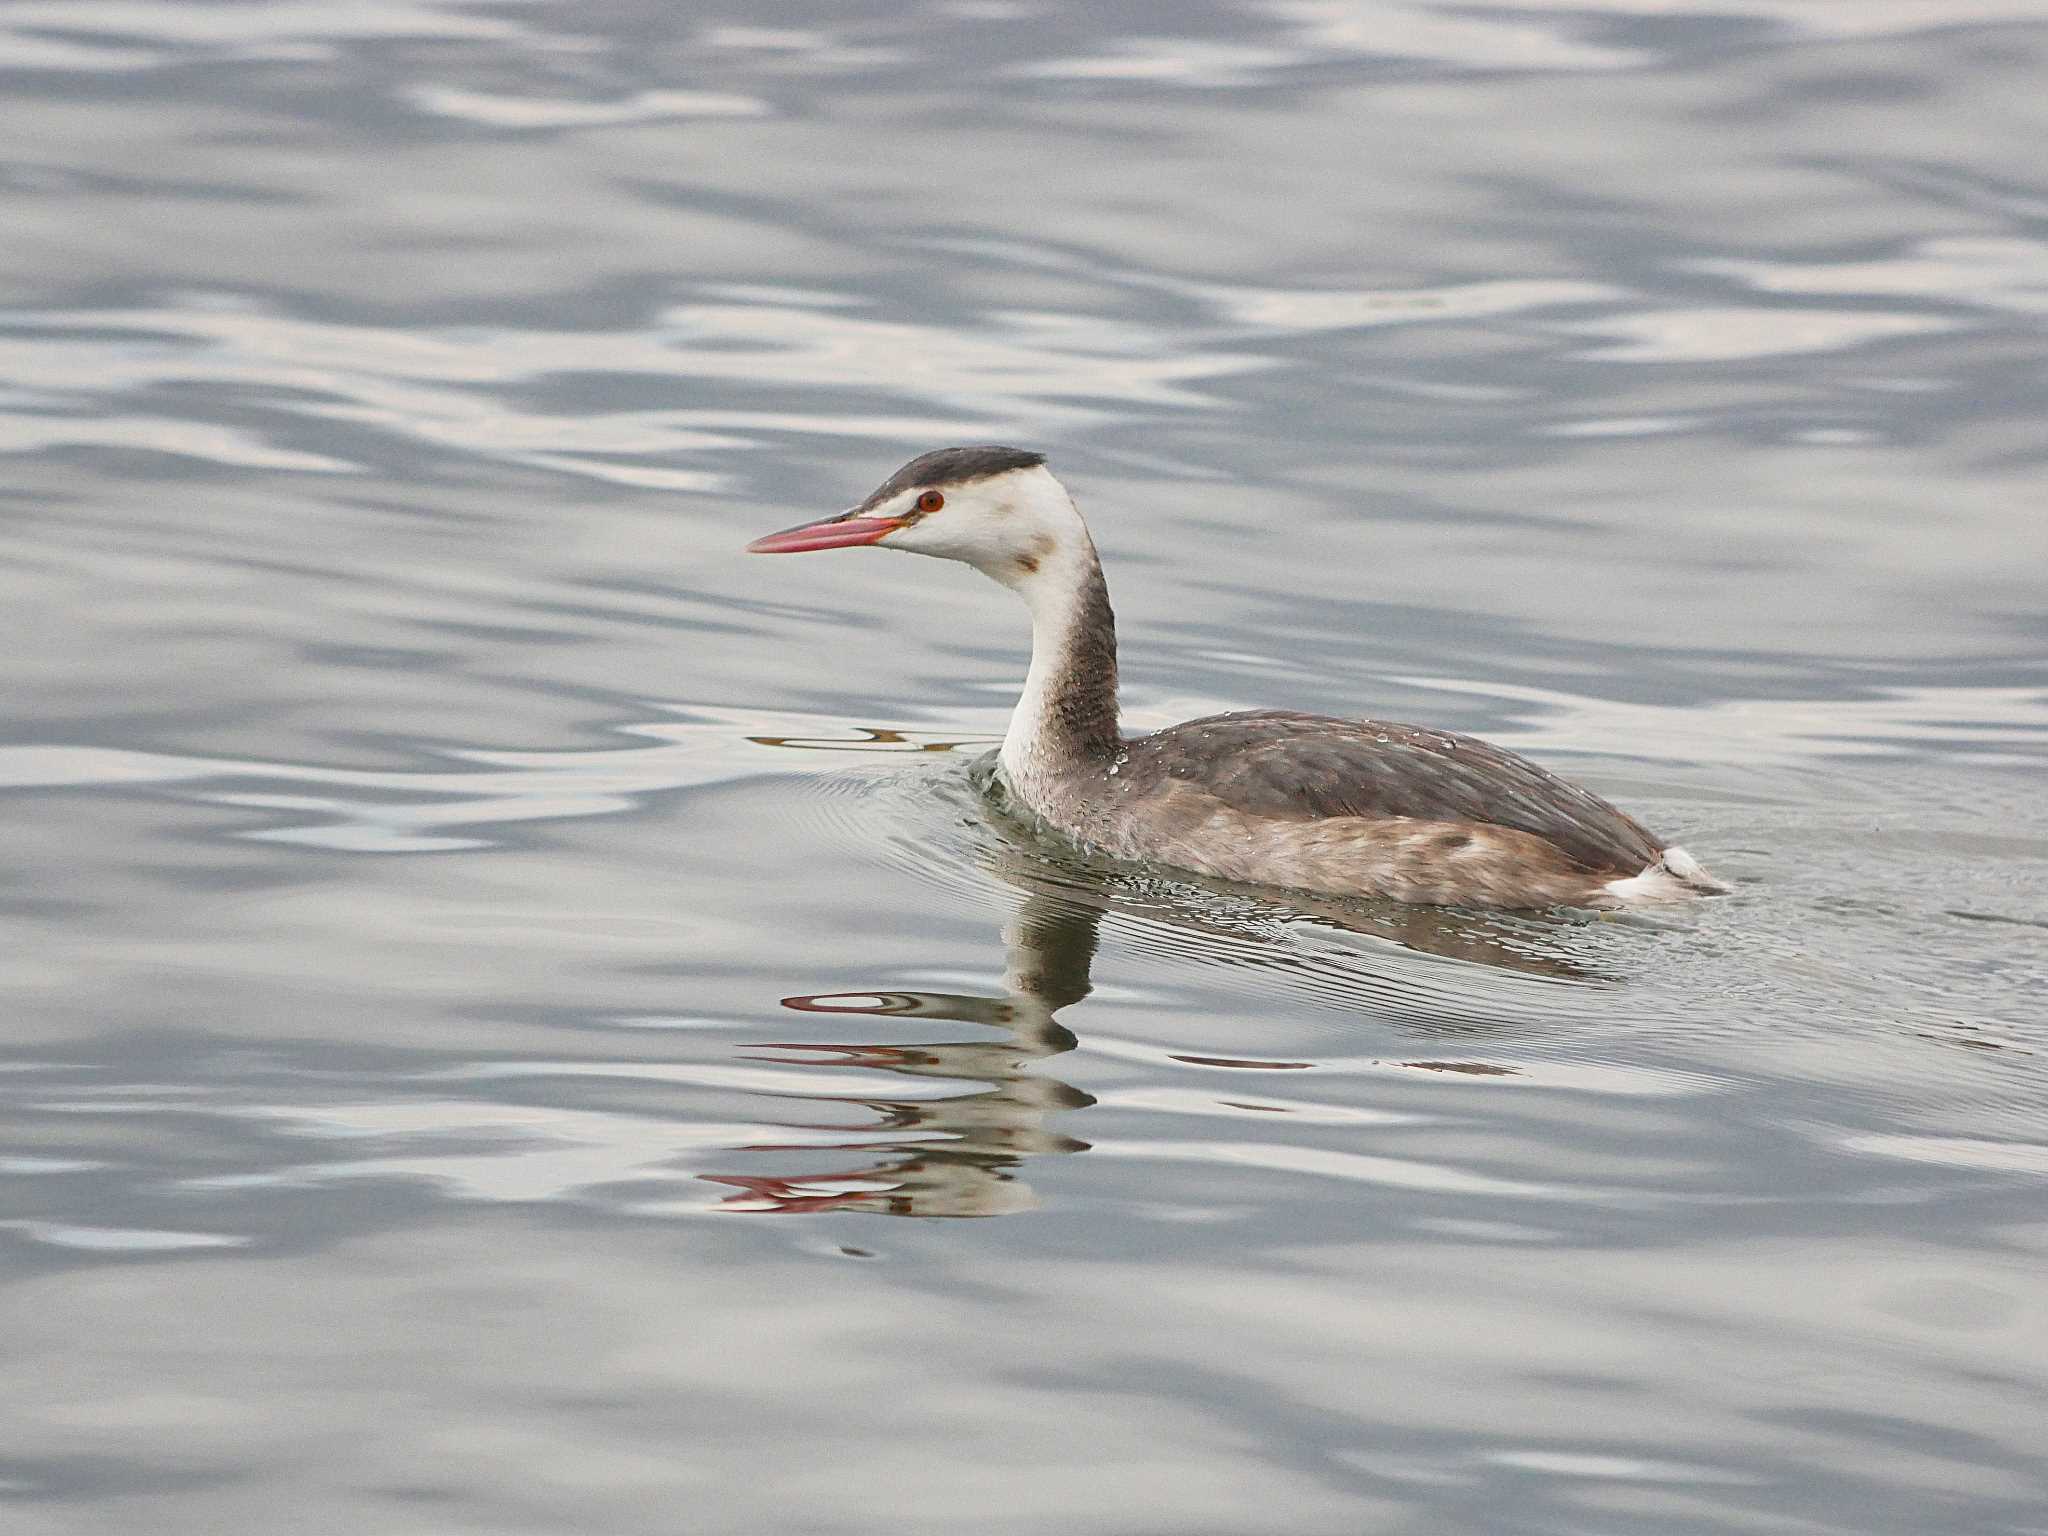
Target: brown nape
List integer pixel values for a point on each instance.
(1083, 703)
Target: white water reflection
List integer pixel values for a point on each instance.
(493, 111)
(1355, 1167)
(1989, 272)
(192, 439)
(454, 388)
(1992, 724)
(1465, 37)
(1165, 60)
(2018, 1157)
(1536, 36)
(412, 811)
(121, 1240)
(531, 1152)
(1737, 335)
(1877, 18)
(278, 29)
(1336, 310)
(418, 811)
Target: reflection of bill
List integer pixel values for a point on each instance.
(874, 738)
(959, 1153)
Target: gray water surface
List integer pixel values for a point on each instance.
(493, 973)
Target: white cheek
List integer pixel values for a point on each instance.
(958, 533)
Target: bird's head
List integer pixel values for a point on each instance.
(997, 509)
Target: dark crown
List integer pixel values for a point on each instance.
(951, 466)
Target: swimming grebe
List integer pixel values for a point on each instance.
(1266, 797)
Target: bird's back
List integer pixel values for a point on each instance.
(1280, 766)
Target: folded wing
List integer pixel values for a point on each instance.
(1287, 766)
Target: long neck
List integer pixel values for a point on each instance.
(1065, 719)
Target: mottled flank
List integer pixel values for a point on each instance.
(1397, 858)
(951, 466)
(1288, 766)
(1402, 858)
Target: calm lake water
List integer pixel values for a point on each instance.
(494, 975)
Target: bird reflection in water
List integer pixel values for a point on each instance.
(959, 1153)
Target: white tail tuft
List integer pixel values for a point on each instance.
(1676, 876)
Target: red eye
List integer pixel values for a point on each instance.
(930, 501)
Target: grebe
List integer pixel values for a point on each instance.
(1265, 797)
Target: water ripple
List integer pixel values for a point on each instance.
(1648, 384)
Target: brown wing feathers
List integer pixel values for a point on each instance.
(1275, 763)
